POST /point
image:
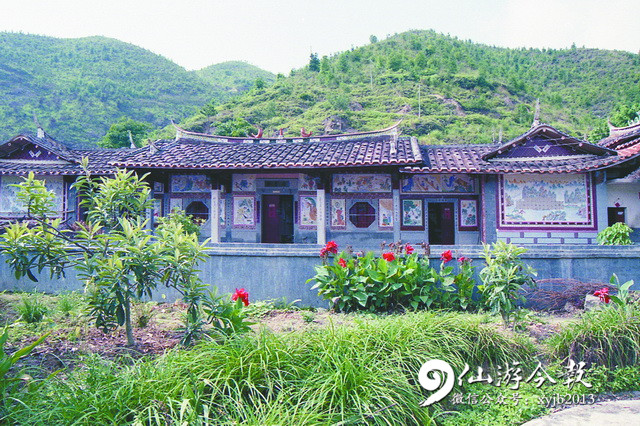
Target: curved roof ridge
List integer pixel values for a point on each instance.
(186, 134)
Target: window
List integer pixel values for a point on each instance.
(362, 214)
(198, 210)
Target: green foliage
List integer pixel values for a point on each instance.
(31, 308)
(623, 298)
(405, 282)
(503, 278)
(608, 380)
(180, 217)
(226, 316)
(608, 336)
(624, 114)
(615, 235)
(118, 134)
(314, 62)
(8, 361)
(355, 374)
(236, 128)
(143, 313)
(69, 302)
(113, 251)
(233, 78)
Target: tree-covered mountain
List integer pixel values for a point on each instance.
(234, 77)
(445, 89)
(78, 87)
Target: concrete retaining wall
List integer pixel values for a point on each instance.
(274, 271)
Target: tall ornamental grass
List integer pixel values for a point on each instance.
(362, 373)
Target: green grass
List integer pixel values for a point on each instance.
(364, 373)
(608, 336)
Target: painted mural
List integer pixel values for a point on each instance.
(440, 183)
(385, 213)
(243, 182)
(244, 211)
(308, 211)
(546, 200)
(9, 203)
(345, 183)
(412, 213)
(468, 214)
(175, 204)
(338, 218)
(157, 208)
(190, 183)
(307, 183)
(223, 212)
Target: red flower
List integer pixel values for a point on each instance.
(408, 249)
(332, 247)
(342, 263)
(446, 256)
(389, 257)
(603, 294)
(323, 252)
(463, 259)
(242, 295)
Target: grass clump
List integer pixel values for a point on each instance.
(31, 308)
(365, 372)
(609, 336)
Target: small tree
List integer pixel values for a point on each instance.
(114, 252)
(314, 62)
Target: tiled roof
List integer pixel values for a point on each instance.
(187, 153)
(469, 159)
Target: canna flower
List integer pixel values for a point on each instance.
(408, 249)
(446, 256)
(389, 257)
(342, 263)
(603, 294)
(332, 247)
(242, 295)
(463, 260)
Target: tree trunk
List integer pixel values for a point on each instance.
(127, 322)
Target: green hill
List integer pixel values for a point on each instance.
(445, 89)
(79, 87)
(234, 77)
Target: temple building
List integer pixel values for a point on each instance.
(543, 187)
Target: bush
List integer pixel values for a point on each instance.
(615, 235)
(31, 308)
(399, 280)
(503, 279)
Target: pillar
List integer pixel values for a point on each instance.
(214, 216)
(321, 226)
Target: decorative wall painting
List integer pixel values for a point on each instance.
(9, 203)
(308, 210)
(190, 183)
(243, 182)
(307, 183)
(157, 208)
(223, 212)
(244, 211)
(468, 214)
(158, 187)
(412, 214)
(385, 213)
(350, 183)
(546, 201)
(338, 215)
(439, 183)
(175, 204)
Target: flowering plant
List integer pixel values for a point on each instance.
(603, 294)
(241, 294)
(389, 257)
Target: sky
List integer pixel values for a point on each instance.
(279, 35)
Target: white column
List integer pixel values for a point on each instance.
(396, 215)
(322, 217)
(214, 216)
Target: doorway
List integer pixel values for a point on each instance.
(277, 218)
(441, 224)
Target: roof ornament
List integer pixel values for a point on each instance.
(500, 135)
(40, 133)
(281, 133)
(304, 133)
(132, 144)
(536, 115)
(179, 131)
(259, 135)
(152, 147)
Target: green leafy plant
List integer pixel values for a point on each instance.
(308, 316)
(189, 224)
(31, 308)
(623, 298)
(227, 315)
(615, 235)
(143, 313)
(8, 361)
(503, 278)
(113, 251)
